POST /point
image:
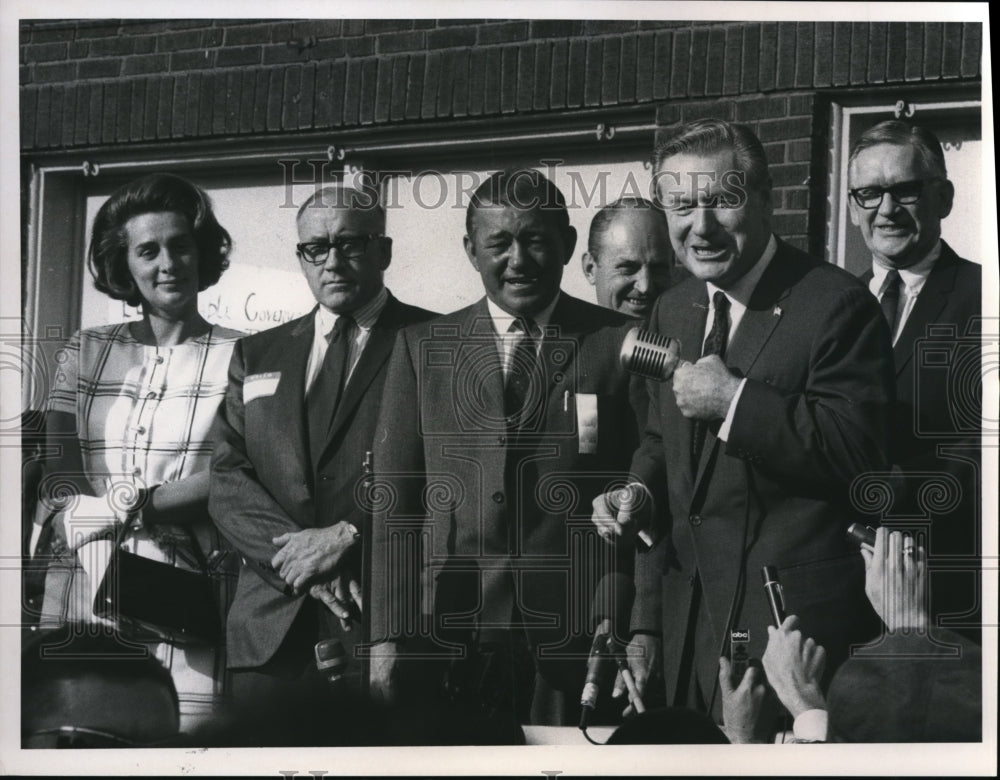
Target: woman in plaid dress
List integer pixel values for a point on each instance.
(131, 408)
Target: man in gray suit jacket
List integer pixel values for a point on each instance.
(499, 425)
(292, 437)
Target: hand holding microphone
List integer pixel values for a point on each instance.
(623, 515)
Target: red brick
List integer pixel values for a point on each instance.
(178, 107)
(238, 56)
(731, 60)
(164, 107)
(914, 69)
(707, 109)
(326, 87)
(611, 71)
(41, 125)
(805, 54)
(784, 129)
(275, 98)
(397, 94)
(841, 54)
(373, 26)
(45, 52)
(797, 199)
(211, 38)
(277, 53)
(26, 108)
(761, 108)
(799, 151)
(680, 63)
(715, 61)
(557, 74)
(699, 62)
(359, 47)
(55, 72)
(53, 120)
(542, 75)
(659, 65)
(446, 85)
(555, 28)
(100, 69)
(177, 41)
(80, 49)
(206, 105)
(315, 28)
(66, 122)
(626, 78)
(257, 33)
(432, 76)
(82, 114)
(768, 61)
(60, 31)
(388, 43)
(451, 36)
(859, 52)
(785, 75)
(951, 53)
(98, 30)
(477, 80)
(191, 60)
(369, 83)
(896, 47)
(125, 113)
(645, 67)
(292, 91)
(460, 89)
(504, 32)
(801, 105)
(138, 108)
(576, 72)
(876, 53)
(307, 99)
(608, 27)
(491, 94)
(525, 77)
(415, 85)
(972, 49)
(146, 63)
(775, 153)
(593, 72)
(790, 224)
(751, 58)
(459, 22)
(508, 79)
(337, 99)
(354, 27)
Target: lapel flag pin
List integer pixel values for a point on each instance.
(777, 311)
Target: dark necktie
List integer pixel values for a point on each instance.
(324, 395)
(517, 387)
(890, 300)
(715, 344)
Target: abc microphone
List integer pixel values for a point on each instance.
(612, 600)
(650, 355)
(775, 598)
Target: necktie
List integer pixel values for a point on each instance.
(521, 369)
(890, 299)
(715, 344)
(324, 395)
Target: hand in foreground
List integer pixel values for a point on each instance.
(312, 553)
(620, 515)
(794, 667)
(704, 390)
(896, 580)
(643, 653)
(384, 670)
(740, 704)
(342, 596)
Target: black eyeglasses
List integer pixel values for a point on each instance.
(904, 193)
(346, 247)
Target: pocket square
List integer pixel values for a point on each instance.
(260, 385)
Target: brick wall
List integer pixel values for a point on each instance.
(113, 83)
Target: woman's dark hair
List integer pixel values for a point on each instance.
(158, 192)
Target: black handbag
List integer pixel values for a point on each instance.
(154, 601)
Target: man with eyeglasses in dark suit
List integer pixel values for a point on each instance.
(899, 194)
(291, 443)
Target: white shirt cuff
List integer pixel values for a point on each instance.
(728, 422)
(810, 726)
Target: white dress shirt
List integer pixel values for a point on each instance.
(507, 339)
(364, 318)
(912, 278)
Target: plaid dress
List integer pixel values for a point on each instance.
(143, 415)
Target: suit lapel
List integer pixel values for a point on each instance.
(931, 301)
(481, 357)
(691, 334)
(373, 357)
(291, 392)
(761, 317)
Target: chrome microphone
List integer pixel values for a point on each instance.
(650, 355)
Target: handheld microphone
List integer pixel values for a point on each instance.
(331, 659)
(650, 355)
(862, 534)
(775, 597)
(612, 600)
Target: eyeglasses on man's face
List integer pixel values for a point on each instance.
(345, 247)
(904, 193)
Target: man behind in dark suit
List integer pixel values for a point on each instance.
(292, 437)
(500, 423)
(899, 193)
(749, 450)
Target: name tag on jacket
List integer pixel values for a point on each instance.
(260, 385)
(586, 420)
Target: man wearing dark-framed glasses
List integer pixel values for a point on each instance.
(292, 437)
(899, 194)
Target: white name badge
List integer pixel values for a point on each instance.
(260, 385)
(586, 420)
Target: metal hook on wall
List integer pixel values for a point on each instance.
(904, 108)
(90, 170)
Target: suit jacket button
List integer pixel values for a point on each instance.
(498, 497)
(695, 520)
(501, 439)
